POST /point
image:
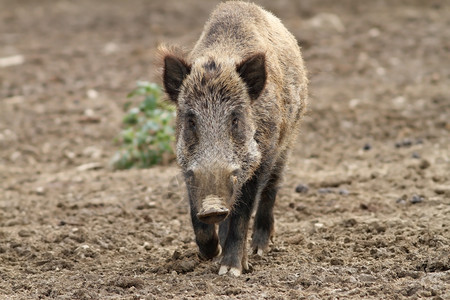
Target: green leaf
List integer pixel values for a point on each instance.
(149, 132)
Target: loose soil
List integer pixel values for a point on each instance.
(364, 211)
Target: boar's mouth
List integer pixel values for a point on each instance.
(213, 210)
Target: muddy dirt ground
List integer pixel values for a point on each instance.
(373, 151)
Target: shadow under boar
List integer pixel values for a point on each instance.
(240, 94)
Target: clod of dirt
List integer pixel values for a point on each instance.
(364, 206)
(184, 266)
(404, 143)
(336, 262)
(296, 240)
(127, 282)
(435, 264)
(376, 227)
(367, 278)
(25, 233)
(301, 188)
(349, 222)
(302, 208)
(424, 164)
(85, 251)
(182, 262)
(442, 190)
(334, 183)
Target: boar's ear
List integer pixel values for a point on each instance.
(253, 72)
(175, 71)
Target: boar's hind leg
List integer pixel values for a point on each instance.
(234, 249)
(205, 237)
(263, 227)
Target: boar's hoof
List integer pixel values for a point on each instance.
(213, 210)
(232, 271)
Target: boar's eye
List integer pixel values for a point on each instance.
(191, 123)
(237, 128)
(235, 122)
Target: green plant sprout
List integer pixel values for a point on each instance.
(148, 135)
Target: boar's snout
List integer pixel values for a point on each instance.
(213, 192)
(213, 210)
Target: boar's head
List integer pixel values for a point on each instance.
(216, 146)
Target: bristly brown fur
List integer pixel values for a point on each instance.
(240, 95)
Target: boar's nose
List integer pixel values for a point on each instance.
(213, 210)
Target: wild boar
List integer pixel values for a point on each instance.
(240, 95)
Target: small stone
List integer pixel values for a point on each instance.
(367, 147)
(89, 112)
(92, 94)
(415, 155)
(176, 255)
(25, 233)
(301, 188)
(69, 154)
(146, 205)
(40, 190)
(110, 47)
(416, 199)
(15, 155)
(147, 246)
(13, 60)
(343, 192)
(89, 166)
(374, 32)
(402, 199)
(325, 191)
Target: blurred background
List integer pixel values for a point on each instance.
(374, 147)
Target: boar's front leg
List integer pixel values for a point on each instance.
(263, 226)
(205, 237)
(234, 249)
